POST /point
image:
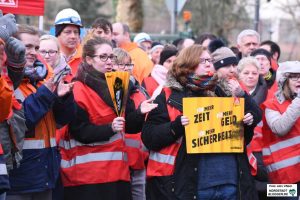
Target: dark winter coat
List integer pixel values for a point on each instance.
(157, 134)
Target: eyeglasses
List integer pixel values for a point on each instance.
(294, 77)
(204, 60)
(125, 66)
(104, 57)
(50, 52)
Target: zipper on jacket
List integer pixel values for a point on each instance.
(179, 105)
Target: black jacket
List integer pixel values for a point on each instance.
(157, 134)
(272, 80)
(259, 95)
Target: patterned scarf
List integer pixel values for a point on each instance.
(202, 83)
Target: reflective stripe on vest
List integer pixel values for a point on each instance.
(281, 155)
(69, 144)
(281, 145)
(132, 143)
(19, 95)
(283, 164)
(3, 169)
(38, 144)
(94, 157)
(162, 158)
(144, 148)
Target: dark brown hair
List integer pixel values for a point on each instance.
(287, 92)
(103, 24)
(89, 47)
(23, 28)
(186, 63)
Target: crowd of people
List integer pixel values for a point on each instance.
(61, 137)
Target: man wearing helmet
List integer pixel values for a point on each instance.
(67, 31)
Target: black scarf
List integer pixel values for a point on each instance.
(95, 80)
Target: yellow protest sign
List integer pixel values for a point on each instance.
(216, 124)
(117, 83)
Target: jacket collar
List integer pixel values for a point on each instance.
(178, 92)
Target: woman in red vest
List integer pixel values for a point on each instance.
(174, 174)
(94, 159)
(281, 128)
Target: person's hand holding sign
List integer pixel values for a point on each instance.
(118, 124)
(248, 119)
(184, 120)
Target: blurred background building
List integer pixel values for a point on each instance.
(279, 20)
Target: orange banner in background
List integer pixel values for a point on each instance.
(23, 7)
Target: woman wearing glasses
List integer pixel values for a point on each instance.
(94, 161)
(163, 131)
(281, 128)
(174, 174)
(50, 51)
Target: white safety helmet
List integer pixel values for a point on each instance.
(142, 37)
(68, 16)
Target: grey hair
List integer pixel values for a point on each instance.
(50, 37)
(247, 61)
(247, 32)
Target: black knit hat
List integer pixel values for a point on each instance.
(60, 27)
(261, 52)
(166, 53)
(222, 56)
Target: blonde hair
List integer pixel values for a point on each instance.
(50, 37)
(246, 62)
(121, 55)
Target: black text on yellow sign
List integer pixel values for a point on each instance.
(215, 124)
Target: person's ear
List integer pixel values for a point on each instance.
(89, 60)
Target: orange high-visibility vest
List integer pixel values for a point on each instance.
(6, 95)
(162, 162)
(74, 63)
(99, 162)
(281, 155)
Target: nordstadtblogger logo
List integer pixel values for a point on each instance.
(9, 3)
(292, 192)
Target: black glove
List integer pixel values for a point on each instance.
(15, 51)
(176, 127)
(7, 26)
